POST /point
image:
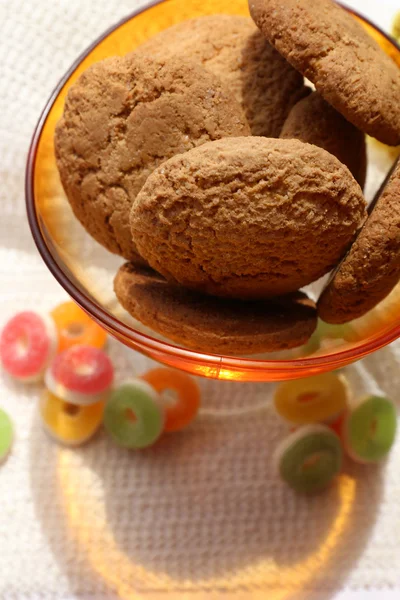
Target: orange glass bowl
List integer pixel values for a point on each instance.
(86, 270)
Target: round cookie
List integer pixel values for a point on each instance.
(247, 217)
(124, 117)
(349, 69)
(232, 48)
(216, 325)
(315, 121)
(371, 269)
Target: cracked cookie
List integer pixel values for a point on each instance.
(371, 269)
(232, 48)
(316, 122)
(247, 217)
(348, 68)
(124, 117)
(217, 325)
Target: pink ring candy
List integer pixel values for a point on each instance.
(80, 375)
(28, 343)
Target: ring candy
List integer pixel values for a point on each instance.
(309, 458)
(67, 423)
(327, 336)
(133, 416)
(75, 327)
(80, 375)
(369, 430)
(28, 343)
(180, 396)
(6, 435)
(318, 399)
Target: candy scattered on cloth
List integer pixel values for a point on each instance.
(318, 399)
(69, 424)
(369, 429)
(27, 344)
(6, 435)
(180, 396)
(365, 429)
(309, 459)
(74, 327)
(80, 375)
(134, 417)
(80, 398)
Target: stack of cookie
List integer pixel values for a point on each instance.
(205, 160)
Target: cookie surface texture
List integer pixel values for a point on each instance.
(332, 49)
(214, 325)
(371, 269)
(315, 121)
(232, 48)
(124, 117)
(247, 218)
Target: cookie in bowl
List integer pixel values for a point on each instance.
(332, 49)
(314, 121)
(216, 325)
(231, 47)
(123, 118)
(247, 218)
(371, 269)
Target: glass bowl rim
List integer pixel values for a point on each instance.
(141, 341)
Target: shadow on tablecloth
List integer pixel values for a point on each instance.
(203, 509)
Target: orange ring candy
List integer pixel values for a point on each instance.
(74, 327)
(182, 404)
(67, 423)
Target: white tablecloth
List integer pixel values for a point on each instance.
(204, 509)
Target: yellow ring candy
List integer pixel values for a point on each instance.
(75, 327)
(67, 423)
(318, 399)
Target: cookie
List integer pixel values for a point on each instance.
(232, 48)
(215, 325)
(371, 269)
(247, 217)
(315, 121)
(330, 47)
(124, 117)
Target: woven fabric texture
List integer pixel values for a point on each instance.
(202, 514)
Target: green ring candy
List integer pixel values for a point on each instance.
(6, 435)
(139, 398)
(309, 458)
(370, 429)
(326, 331)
